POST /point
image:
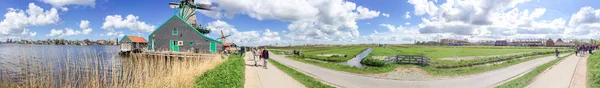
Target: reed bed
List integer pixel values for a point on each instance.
(101, 70)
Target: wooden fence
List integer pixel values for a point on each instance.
(408, 59)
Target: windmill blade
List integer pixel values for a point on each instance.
(204, 7)
(173, 5)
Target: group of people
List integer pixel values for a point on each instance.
(262, 55)
(583, 49)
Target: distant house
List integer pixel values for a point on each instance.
(500, 43)
(229, 46)
(560, 43)
(132, 43)
(176, 35)
(101, 42)
(550, 42)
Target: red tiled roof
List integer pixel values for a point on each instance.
(228, 44)
(137, 39)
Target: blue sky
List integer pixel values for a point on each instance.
(268, 22)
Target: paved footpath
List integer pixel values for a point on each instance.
(259, 77)
(350, 80)
(563, 74)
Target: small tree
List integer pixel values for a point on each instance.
(202, 30)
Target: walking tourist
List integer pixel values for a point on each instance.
(242, 51)
(576, 51)
(556, 51)
(265, 56)
(255, 54)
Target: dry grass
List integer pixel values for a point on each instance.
(94, 70)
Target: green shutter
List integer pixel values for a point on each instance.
(174, 31)
(213, 47)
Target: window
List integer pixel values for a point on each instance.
(174, 32)
(191, 43)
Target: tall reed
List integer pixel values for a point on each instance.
(94, 69)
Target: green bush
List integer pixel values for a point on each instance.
(373, 62)
(230, 74)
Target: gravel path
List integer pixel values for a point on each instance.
(563, 74)
(350, 80)
(259, 77)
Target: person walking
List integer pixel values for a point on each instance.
(242, 51)
(576, 51)
(556, 51)
(255, 54)
(265, 56)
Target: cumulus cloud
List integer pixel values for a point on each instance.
(243, 37)
(85, 26)
(55, 32)
(64, 32)
(585, 23)
(310, 19)
(385, 15)
(407, 15)
(61, 3)
(112, 22)
(585, 15)
(16, 20)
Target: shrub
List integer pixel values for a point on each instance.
(373, 62)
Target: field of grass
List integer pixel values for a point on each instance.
(524, 80)
(594, 71)
(230, 74)
(312, 52)
(306, 80)
(346, 68)
(434, 52)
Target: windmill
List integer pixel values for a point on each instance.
(223, 37)
(187, 11)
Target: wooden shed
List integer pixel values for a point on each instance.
(176, 35)
(132, 44)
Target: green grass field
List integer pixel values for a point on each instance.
(306, 80)
(230, 74)
(594, 71)
(434, 52)
(312, 52)
(524, 80)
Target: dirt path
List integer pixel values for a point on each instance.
(559, 75)
(350, 80)
(259, 77)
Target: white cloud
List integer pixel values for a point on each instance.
(406, 23)
(586, 15)
(385, 15)
(407, 15)
(243, 37)
(112, 22)
(55, 32)
(423, 7)
(310, 19)
(16, 20)
(61, 3)
(85, 26)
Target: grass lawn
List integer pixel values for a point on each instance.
(594, 71)
(524, 80)
(306, 80)
(345, 52)
(230, 74)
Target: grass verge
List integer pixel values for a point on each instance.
(527, 78)
(230, 74)
(346, 68)
(594, 71)
(306, 80)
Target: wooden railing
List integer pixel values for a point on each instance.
(408, 59)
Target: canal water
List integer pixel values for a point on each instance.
(356, 60)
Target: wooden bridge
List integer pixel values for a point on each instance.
(408, 59)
